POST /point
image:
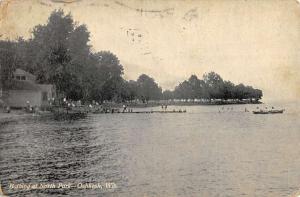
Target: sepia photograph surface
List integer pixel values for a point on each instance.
(150, 98)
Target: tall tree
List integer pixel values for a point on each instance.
(167, 94)
(59, 54)
(148, 89)
(214, 83)
(9, 61)
(110, 73)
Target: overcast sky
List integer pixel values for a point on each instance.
(252, 42)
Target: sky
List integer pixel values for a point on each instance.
(245, 41)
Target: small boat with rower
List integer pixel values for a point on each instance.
(272, 111)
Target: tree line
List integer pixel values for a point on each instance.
(212, 86)
(59, 53)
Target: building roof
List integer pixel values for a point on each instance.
(19, 71)
(29, 85)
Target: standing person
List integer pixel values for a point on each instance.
(8, 109)
(28, 107)
(166, 106)
(124, 108)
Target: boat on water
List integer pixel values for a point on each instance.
(273, 111)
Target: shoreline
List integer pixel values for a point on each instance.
(17, 114)
(13, 116)
(172, 103)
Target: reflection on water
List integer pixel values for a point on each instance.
(199, 153)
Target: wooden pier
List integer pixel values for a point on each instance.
(146, 112)
(61, 113)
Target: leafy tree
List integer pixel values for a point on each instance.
(256, 94)
(110, 73)
(228, 90)
(239, 92)
(148, 88)
(132, 90)
(214, 84)
(9, 61)
(183, 91)
(167, 94)
(50, 46)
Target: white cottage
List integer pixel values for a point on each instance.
(24, 88)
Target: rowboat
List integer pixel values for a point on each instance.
(273, 111)
(261, 112)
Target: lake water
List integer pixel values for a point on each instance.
(198, 153)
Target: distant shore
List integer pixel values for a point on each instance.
(179, 103)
